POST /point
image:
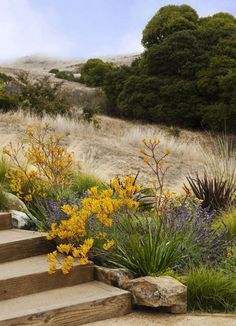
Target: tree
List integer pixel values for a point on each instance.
(113, 85)
(179, 54)
(168, 20)
(94, 71)
(138, 97)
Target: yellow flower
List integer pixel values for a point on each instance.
(108, 244)
(52, 256)
(146, 160)
(6, 151)
(29, 132)
(229, 252)
(28, 197)
(83, 261)
(52, 268)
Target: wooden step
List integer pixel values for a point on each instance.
(72, 306)
(30, 275)
(16, 244)
(5, 221)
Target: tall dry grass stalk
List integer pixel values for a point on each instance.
(220, 158)
(113, 149)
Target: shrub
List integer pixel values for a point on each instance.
(185, 77)
(50, 164)
(67, 75)
(211, 290)
(94, 71)
(45, 211)
(228, 219)
(82, 182)
(54, 71)
(141, 249)
(4, 167)
(43, 96)
(229, 265)
(217, 186)
(194, 225)
(5, 78)
(74, 234)
(214, 192)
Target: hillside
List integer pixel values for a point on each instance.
(114, 148)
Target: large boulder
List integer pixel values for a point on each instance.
(14, 203)
(162, 291)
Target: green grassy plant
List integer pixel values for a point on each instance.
(83, 181)
(141, 249)
(228, 219)
(211, 290)
(4, 166)
(229, 265)
(3, 199)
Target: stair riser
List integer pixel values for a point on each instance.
(24, 248)
(29, 284)
(80, 314)
(5, 221)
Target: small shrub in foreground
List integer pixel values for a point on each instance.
(75, 235)
(211, 290)
(141, 249)
(47, 166)
(194, 225)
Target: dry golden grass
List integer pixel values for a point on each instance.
(114, 148)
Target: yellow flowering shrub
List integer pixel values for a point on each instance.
(73, 234)
(46, 164)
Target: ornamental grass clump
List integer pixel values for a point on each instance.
(45, 166)
(211, 290)
(75, 236)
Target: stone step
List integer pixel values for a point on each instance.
(77, 305)
(5, 221)
(30, 275)
(17, 244)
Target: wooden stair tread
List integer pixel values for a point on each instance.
(30, 275)
(7, 236)
(18, 244)
(75, 305)
(22, 267)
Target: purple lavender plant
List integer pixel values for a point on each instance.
(51, 210)
(194, 226)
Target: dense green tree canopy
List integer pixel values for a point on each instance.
(94, 71)
(185, 77)
(168, 20)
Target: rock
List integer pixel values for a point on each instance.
(14, 203)
(112, 276)
(19, 219)
(162, 291)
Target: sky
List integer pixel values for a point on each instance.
(83, 28)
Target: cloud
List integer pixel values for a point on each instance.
(26, 31)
